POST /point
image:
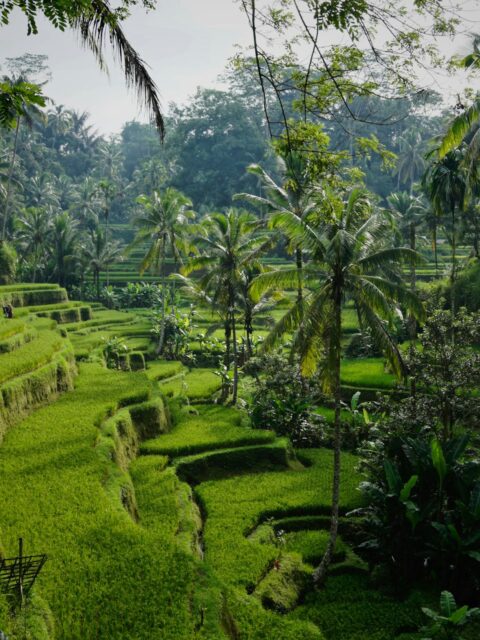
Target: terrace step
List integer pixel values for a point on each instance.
(224, 463)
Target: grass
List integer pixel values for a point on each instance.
(350, 609)
(11, 327)
(206, 428)
(235, 506)
(161, 369)
(51, 491)
(197, 384)
(30, 356)
(366, 372)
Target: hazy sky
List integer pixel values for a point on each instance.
(185, 42)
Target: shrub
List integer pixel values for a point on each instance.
(8, 263)
(283, 401)
(136, 360)
(423, 513)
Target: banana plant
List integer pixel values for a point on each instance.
(449, 620)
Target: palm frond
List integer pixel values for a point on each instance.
(459, 128)
(196, 263)
(396, 255)
(287, 323)
(99, 21)
(382, 338)
(280, 279)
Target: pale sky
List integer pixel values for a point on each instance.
(185, 42)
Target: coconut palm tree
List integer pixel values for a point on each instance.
(86, 203)
(445, 182)
(63, 247)
(411, 164)
(19, 100)
(351, 258)
(98, 255)
(231, 244)
(409, 212)
(295, 195)
(33, 231)
(162, 222)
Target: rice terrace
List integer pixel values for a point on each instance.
(240, 328)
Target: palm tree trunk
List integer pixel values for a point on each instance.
(9, 180)
(413, 280)
(106, 242)
(228, 333)
(454, 262)
(320, 573)
(475, 237)
(248, 330)
(161, 338)
(299, 264)
(97, 277)
(35, 258)
(235, 359)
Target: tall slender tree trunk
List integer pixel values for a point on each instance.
(248, 330)
(9, 181)
(320, 573)
(97, 275)
(235, 358)
(299, 265)
(476, 251)
(161, 338)
(106, 242)
(228, 335)
(413, 281)
(34, 275)
(454, 261)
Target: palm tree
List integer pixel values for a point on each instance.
(41, 192)
(162, 223)
(63, 248)
(33, 231)
(351, 259)
(411, 163)
(86, 203)
(23, 100)
(446, 185)
(409, 212)
(231, 245)
(295, 196)
(99, 255)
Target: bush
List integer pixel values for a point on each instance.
(8, 263)
(423, 513)
(283, 401)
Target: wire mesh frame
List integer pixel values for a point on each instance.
(17, 575)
